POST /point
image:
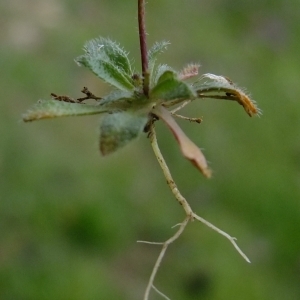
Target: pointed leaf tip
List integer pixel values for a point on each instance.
(48, 109)
(108, 61)
(154, 51)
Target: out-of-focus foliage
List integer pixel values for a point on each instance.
(69, 218)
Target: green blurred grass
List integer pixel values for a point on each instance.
(69, 218)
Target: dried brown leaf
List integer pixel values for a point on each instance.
(187, 147)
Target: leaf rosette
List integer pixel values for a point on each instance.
(127, 111)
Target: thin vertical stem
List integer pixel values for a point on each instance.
(162, 254)
(143, 45)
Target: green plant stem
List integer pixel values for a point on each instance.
(143, 46)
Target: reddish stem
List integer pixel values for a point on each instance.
(143, 45)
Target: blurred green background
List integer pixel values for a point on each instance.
(70, 219)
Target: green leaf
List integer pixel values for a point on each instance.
(220, 87)
(48, 109)
(118, 129)
(155, 50)
(115, 53)
(161, 69)
(169, 87)
(213, 83)
(122, 101)
(109, 62)
(117, 96)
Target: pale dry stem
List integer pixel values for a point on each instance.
(161, 256)
(160, 293)
(182, 201)
(190, 216)
(180, 106)
(197, 120)
(175, 110)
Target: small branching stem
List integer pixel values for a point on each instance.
(190, 216)
(63, 98)
(161, 256)
(197, 120)
(143, 45)
(85, 90)
(173, 112)
(89, 95)
(160, 293)
(225, 234)
(178, 108)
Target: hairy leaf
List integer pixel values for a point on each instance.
(161, 69)
(153, 52)
(109, 62)
(118, 129)
(116, 54)
(169, 87)
(123, 101)
(117, 96)
(189, 71)
(48, 109)
(106, 71)
(220, 87)
(188, 148)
